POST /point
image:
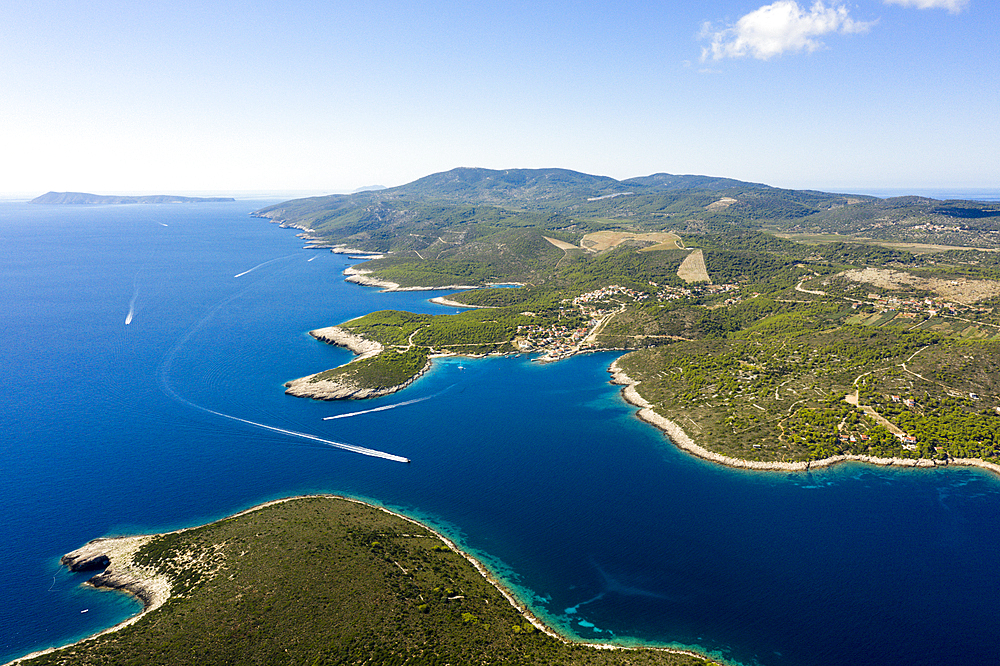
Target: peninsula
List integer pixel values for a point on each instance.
(365, 376)
(82, 198)
(370, 586)
(775, 329)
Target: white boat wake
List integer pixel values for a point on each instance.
(380, 409)
(293, 433)
(131, 306)
(340, 445)
(261, 265)
(169, 390)
(385, 407)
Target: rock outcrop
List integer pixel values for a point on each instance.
(334, 335)
(363, 277)
(344, 389)
(115, 557)
(85, 560)
(307, 387)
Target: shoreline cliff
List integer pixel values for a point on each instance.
(120, 574)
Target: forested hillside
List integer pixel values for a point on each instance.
(770, 324)
(369, 588)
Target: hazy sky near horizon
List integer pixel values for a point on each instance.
(329, 96)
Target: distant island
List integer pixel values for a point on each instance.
(77, 198)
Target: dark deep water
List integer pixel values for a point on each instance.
(541, 470)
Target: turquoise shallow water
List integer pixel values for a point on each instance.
(541, 470)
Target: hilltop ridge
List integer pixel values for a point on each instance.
(552, 200)
(775, 326)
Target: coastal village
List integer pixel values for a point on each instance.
(596, 308)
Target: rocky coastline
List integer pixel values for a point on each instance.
(312, 242)
(325, 389)
(364, 278)
(153, 587)
(114, 556)
(447, 302)
(683, 441)
(334, 335)
(120, 573)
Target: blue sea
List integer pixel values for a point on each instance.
(604, 528)
(982, 194)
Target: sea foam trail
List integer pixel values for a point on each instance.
(261, 265)
(169, 390)
(340, 445)
(131, 306)
(251, 270)
(383, 407)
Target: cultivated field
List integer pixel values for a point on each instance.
(605, 240)
(693, 269)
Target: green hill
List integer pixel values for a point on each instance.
(465, 201)
(324, 580)
(848, 286)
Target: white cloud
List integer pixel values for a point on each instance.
(953, 6)
(779, 27)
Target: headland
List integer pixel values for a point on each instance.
(750, 311)
(355, 380)
(365, 278)
(369, 581)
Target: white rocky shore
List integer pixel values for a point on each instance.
(325, 389)
(114, 555)
(447, 302)
(683, 441)
(363, 277)
(334, 335)
(153, 588)
(121, 573)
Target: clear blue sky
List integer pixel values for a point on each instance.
(159, 96)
